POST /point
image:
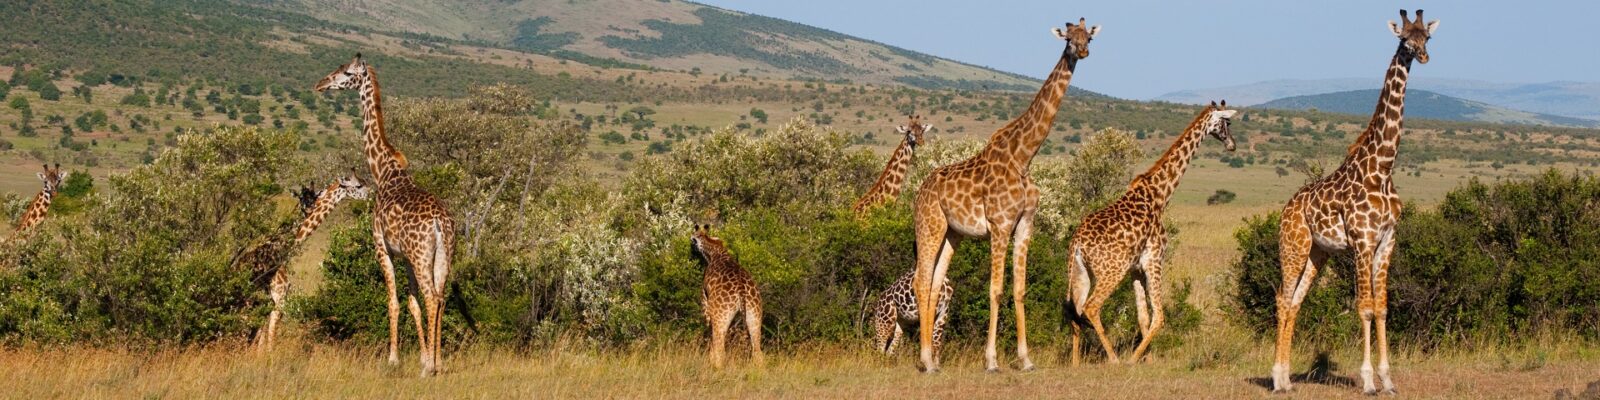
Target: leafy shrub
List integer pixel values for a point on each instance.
(150, 258)
(1491, 262)
(1222, 196)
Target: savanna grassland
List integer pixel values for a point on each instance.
(577, 153)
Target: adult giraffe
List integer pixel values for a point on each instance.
(405, 218)
(1128, 234)
(887, 188)
(1352, 209)
(990, 196)
(40, 206)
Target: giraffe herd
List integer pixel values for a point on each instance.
(988, 196)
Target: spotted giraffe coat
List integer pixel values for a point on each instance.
(895, 312)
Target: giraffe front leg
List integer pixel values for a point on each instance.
(423, 350)
(1023, 237)
(1380, 294)
(280, 295)
(1077, 295)
(1365, 253)
(932, 249)
(999, 244)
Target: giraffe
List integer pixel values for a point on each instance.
(728, 291)
(990, 196)
(895, 312)
(887, 188)
(1128, 234)
(267, 261)
(405, 218)
(40, 206)
(1352, 209)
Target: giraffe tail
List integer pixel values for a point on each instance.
(441, 257)
(1078, 281)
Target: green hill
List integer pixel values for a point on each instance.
(1424, 104)
(668, 34)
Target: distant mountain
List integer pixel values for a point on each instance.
(1423, 104)
(1570, 99)
(667, 34)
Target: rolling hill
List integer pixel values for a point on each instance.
(1423, 104)
(667, 34)
(1569, 99)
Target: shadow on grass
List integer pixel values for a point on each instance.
(1321, 373)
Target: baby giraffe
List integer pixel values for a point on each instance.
(267, 261)
(729, 289)
(896, 312)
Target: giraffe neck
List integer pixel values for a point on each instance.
(319, 211)
(1019, 141)
(386, 163)
(1381, 139)
(36, 211)
(893, 177)
(1162, 178)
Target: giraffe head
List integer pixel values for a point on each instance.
(51, 178)
(702, 243)
(1414, 35)
(307, 197)
(1078, 37)
(914, 131)
(1219, 122)
(348, 76)
(352, 187)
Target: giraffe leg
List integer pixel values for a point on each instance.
(280, 294)
(1365, 253)
(999, 245)
(382, 248)
(719, 336)
(1100, 292)
(1297, 258)
(931, 239)
(441, 269)
(943, 290)
(938, 322)
(1380, 287)
(752, 323)
(1151, 292)
(423, 349)
(1022, 238)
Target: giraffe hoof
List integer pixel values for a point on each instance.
(1391, 391)
(992, 370)
(1370, 392)
(1027, 368)
(1282, 391)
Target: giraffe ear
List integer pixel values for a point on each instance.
(1094, 30)
(1060, 33)
(927, 127)
(1431, 26)
(1394, 28)
(41, 176)
(902, 129)
(1226, 114)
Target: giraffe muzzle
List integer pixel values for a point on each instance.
(1422, 57)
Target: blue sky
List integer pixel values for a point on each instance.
(1147, 48)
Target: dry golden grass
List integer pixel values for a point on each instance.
(1227, 365)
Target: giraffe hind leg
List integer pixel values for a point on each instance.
(752, 323)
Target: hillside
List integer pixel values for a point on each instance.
(672, 35)
(1423, 104)
(1568, 99)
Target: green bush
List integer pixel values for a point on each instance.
(149, 258)
(1492, 262)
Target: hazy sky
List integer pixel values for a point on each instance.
(1148, 48)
